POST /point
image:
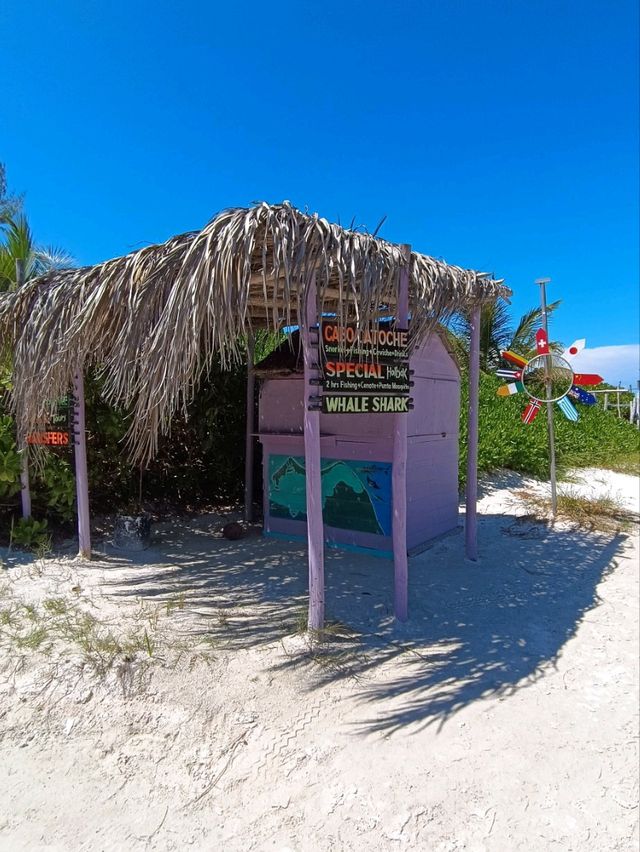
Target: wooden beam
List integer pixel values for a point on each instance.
(399, 468)
(258, 312)
(82, 479)
(256, 289)
(25, 489)
(249, 427)
(313, 472)
(471, 511)
(23, 447)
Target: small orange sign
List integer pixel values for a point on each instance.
(49, 439)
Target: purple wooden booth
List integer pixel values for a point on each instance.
(362, 516)
(384, 482)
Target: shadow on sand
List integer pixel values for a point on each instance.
(475, 629)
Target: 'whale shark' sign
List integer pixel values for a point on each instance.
(361, 404)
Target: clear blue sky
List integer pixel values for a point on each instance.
(498, 135)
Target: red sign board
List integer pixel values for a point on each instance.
(56, 432)
(49, 439)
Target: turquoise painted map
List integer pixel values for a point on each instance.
(356, 495)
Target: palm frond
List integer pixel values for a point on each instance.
(10, 205)
(48, 258)
(154, 320)
(17, 244)
(497, 332)
(523, 339)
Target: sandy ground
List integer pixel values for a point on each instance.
(170, 703)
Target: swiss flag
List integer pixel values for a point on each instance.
(542, 344)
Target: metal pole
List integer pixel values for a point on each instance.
(248, 454)
(23, 447)
(399, 467)
(542, 282)
(471, 508)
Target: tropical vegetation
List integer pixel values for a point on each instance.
(201, 461)
(498, 332)
(598, 439)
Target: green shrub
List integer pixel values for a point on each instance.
(598, 439)
(31, 534)
(59, 487)
(10, 463)
(201, 461)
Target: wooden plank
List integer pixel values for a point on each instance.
(531, 411)
(511, 388)
(399, 467)
(542, 342)
(587, 379)
(249, 427)
(582, 396)
(471, 514)
(514, 358)
(576, 347)
(82, 479)
(568, 409)
(313, 480)
(25, 488)
(256, 287)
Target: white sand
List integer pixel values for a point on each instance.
(504, 716)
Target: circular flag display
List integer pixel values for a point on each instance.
(548, 377)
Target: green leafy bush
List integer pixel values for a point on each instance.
(201, 461)
(598, 439)
(31, 534)
(10, 463)
(59, 487)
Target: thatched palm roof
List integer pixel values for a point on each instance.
(153, 320)
(287, 358)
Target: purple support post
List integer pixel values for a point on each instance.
(471, 512)
(249, 426)
(82, 480)
(25, 492)
(315, 529)
(399, 468)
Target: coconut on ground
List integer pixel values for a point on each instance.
(173, 702)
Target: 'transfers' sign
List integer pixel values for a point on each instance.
(57, 432)
(49, 439)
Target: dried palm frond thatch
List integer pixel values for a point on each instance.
(152, 321)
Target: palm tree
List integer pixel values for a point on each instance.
(17, 244)
(498, 333)
(10, 205)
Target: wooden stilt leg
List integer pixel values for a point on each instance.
(471, 517)
(249, 441)
(82, 479)
(25, 489)
(315, 530)
(399, 469)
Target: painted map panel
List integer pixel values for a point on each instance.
(356, 495)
